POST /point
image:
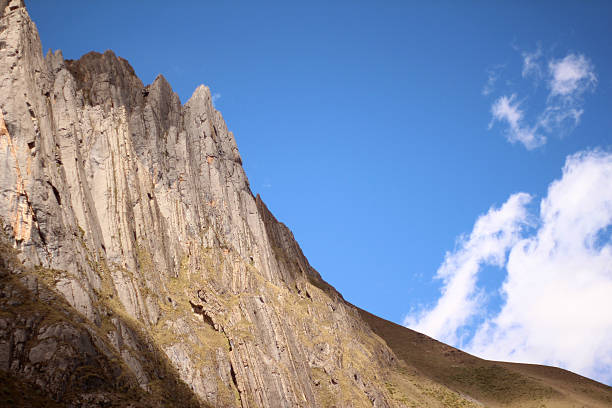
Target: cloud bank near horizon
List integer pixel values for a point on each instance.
(557, 308)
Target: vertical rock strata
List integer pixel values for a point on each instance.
(135, 211)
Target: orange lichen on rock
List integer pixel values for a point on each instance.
(21, 219)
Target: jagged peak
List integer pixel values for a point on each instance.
(202, 92)
(172, 239)
(160, 78)
(107, 68)
(160, 84)
(55, 60)
(103, 62)
(54, 54)
(19, 34)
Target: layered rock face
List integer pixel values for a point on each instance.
(137, 269)
(135, 252)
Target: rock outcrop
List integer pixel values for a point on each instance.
(135, 211)
(138, 269)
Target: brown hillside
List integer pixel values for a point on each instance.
(493, 383)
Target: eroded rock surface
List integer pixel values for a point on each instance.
(134, 213)
(137, 269)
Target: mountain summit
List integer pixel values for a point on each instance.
(138, 269)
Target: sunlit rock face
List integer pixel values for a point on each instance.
(135, 254)
(137, 269)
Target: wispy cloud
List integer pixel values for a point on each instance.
(556, 116)
(531, 63)
(557, 308)
(216, 96)
(567, 80)
(571, 76)
(493, 75)
(507, 109)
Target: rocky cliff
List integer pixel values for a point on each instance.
(138, 268)
(135, 211)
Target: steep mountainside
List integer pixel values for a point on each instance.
(136, 266)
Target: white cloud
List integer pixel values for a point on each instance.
(559, 118)
(571, 76)
(492, 77)
(558, 289)
(568, 79)
(558, 286)
(488, 243)
(531, 63)
(507, 109)
(216, 96)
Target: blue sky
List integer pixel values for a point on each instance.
(369, 128)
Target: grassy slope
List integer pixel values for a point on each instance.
(16, 392)
(491, 383)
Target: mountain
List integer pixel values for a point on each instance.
(138, 269)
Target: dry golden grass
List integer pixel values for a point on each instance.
(15, 392)
(491, 383)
